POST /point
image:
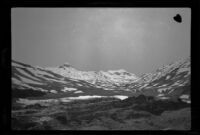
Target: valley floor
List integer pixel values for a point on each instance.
(140, 113)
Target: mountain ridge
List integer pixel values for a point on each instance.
(71, 82)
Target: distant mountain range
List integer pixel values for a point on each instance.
(66, 81)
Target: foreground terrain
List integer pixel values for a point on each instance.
(136, 113)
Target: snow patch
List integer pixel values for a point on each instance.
(162, 89)
(127, 89)
(155, 84)
(186, 75)
(143, 86)
(183, 70)
(79, 91)
(176, 83)
(187, 101)
(184, 96)
(167, 77)
(164, 98)
(170, 91)
(107, 89)
(79, 84)
(120, 97)
(160, 95)
(68, 99)
(31, 102)
(85, 97)
(43, 119)
(181, 84)
(53, 91)
(40, 89)
(65, 89)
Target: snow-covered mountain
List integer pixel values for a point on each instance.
(107, 80)
(67, 81)
(35, 75)
(183, 65)
(169, 81)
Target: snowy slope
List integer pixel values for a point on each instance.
(169, 81)
(102, 79)
(26, 77)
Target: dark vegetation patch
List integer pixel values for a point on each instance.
(179, 91)
(18, 93)
(22, 123)
(116, 117)
(48, 86)
(30, 111)
(62, 118)
(137, 115)
(46, 126)
(159, 106)
(16, 106)
(89, 102)
(117, 73)
(34, 106)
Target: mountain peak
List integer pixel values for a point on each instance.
(119, 71)
(66, 64)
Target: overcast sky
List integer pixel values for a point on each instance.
(138, 40)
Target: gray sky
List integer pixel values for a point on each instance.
(138, 40)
